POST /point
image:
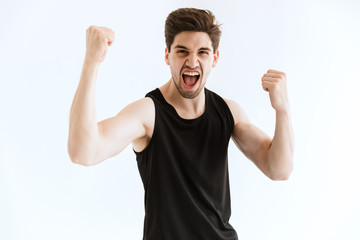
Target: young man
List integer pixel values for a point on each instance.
(180, 132)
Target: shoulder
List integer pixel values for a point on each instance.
(238, 113)
(236, 110)
(140, 106)
(141, 110)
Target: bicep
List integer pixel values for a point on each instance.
(117, 132)
(251, 141)
(254, 143)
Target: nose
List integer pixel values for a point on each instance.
(192, 60)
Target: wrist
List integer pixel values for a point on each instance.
(91, 61)
(285, 111)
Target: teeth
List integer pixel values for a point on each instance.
(191, 73)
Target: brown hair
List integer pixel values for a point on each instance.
(192, 19)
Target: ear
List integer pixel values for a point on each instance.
(167, 56)
(216, 58)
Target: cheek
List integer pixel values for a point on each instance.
(206, 64)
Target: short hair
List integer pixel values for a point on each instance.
(192, 19)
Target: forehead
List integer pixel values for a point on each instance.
(192, 40)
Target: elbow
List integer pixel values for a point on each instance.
(281, 175)
(81, 160)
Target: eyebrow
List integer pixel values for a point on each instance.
(200, 49)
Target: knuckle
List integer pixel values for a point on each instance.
(99, 33)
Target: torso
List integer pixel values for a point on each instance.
(189, 158)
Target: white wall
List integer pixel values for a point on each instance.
(43, 195)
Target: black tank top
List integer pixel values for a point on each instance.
(184, 170)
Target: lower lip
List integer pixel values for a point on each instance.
(190, 87)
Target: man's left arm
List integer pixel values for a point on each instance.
(274, 157)
(280, 154)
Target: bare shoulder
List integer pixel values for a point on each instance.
(139, 107)
(238, 113)
(142, 110)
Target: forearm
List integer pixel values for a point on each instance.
(83, 127)
(280, 155)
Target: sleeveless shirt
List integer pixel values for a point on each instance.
(184, 171)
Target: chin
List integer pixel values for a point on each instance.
(192, 93)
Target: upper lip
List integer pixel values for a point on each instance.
(188, 70)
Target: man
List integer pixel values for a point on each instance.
(180, 132)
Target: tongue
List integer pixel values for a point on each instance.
(190, 80)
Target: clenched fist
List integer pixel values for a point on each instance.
(274, 82)
(97, 41)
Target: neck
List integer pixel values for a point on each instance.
(185, 107)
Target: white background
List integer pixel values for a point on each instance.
(43, 195)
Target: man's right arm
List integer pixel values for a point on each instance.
(90, 142)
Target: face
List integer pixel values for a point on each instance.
(191, 59)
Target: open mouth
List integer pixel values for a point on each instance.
(190, 78)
